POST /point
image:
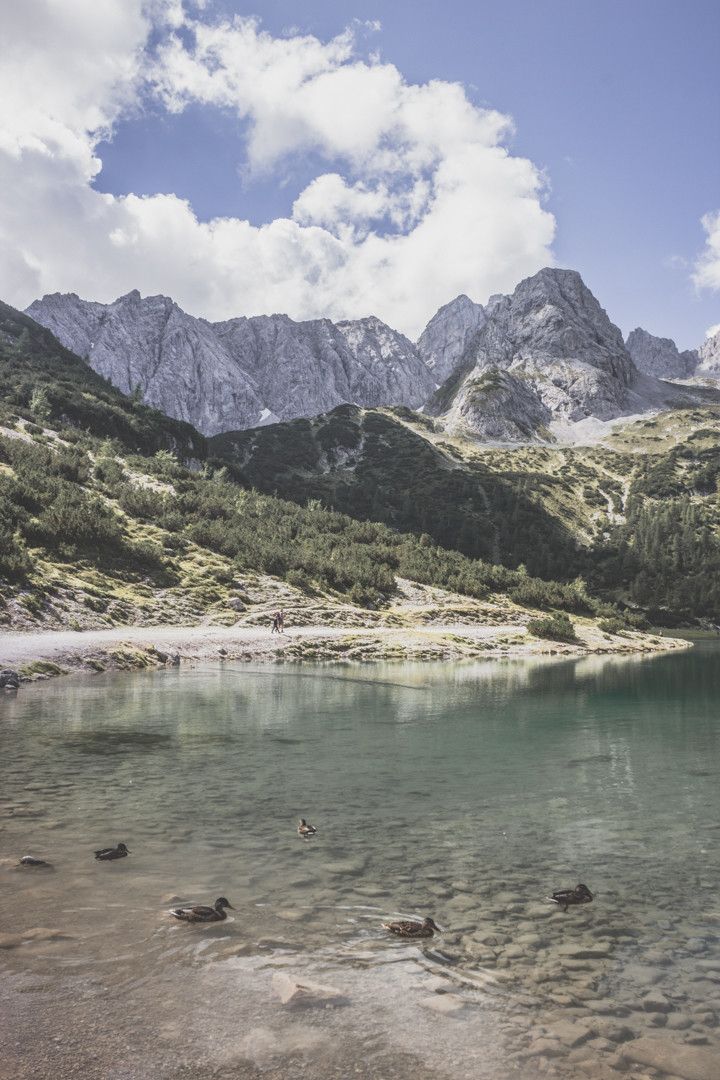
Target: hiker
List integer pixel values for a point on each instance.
(276, 623)
(281, 621)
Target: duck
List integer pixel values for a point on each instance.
(564, 897)
(413, 928)
(304, 829)
(108, 853)
(203, 913)
(30, 860)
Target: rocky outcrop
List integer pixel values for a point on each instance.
(497, 407)
(549, 352)
(660, 357)
(239, 373)
(446, 337)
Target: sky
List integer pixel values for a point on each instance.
(343, 159)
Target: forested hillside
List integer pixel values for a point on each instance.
(637, 518)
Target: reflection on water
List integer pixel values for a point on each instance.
(468, 792)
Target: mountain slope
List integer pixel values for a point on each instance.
(241, 372)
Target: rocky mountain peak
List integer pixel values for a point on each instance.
(709, 355)
(446, 337)
(547, 353)
(660, 356)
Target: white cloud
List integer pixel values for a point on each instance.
(706, 274)
(712, 331)
(418, 201)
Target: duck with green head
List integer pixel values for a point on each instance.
(202, 913)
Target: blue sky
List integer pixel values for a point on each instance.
(613, 161)
(617, 101)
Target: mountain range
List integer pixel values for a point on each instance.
(520, 368)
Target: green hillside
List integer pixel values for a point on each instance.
(637, 518)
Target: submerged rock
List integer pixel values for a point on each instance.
(688, 1062)
(305, 992)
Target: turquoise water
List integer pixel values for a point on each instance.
(468, 792)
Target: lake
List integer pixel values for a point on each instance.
(468, 792)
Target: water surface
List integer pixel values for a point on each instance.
(463, 791)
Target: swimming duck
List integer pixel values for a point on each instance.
(304, 829)
(564, 897)
(108, 853)
(30, 860)
(202, 913)
(412, 928)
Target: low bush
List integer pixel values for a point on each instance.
(555, 627)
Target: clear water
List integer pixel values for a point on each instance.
(468, 792)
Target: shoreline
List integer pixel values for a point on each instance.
(38, 655)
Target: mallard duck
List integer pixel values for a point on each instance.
(413, 928)
(304, 829)
(202, 913)
(30, 860)
(564, 897)
(108, 853)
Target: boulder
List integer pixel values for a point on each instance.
(9, 680)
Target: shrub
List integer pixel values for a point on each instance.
(15, 563)
(142, 502)
(299, 580)
(555, 627)
(109, 472)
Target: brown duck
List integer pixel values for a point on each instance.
(413, 928)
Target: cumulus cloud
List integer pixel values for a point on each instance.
(706, 274)
(712, 331)
(417, 197)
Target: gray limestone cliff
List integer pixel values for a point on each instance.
(242, 372)
(554, 355)
(446, 337)
(709, 356)
(507, 371)
(660, 356)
